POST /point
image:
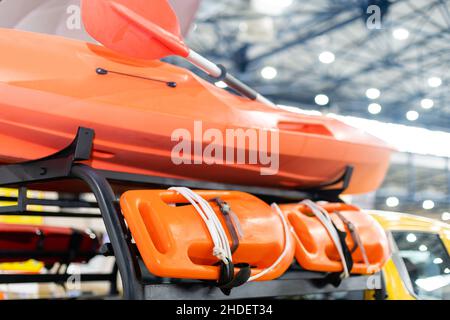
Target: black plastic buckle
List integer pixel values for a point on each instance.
(228, 280)
(54, 166)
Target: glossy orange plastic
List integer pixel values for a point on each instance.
(49, 87)
(316, 251)
(120, 25)
(174, 241)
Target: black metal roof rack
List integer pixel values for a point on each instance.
(68, 165)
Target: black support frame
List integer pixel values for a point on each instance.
(69, 164)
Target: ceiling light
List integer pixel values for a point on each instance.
(428, 204)
(438, 261)
(374, 108)
(447, 270)
(271, 7)
(221, 84)
(400, 34)
(423, 248)
(373, 93)
(327, 57)
(412, 115)
(427, 103)
(446, 216)
(411, 237)
(434, 82)
(392, 202)
(321, 99)
(269, 73)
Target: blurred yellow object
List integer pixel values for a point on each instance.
(31, 266)
(13, 193)
(398, 283)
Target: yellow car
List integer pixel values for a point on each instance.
(420, 263)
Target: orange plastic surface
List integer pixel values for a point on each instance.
(49, 87)
(316, 251)
(108, 22)
(174, 241)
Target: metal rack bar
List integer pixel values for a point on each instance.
(57, 278)
(53, 203)
(281, 287)
(51, 214)
(15, 254)
(120, 240)
(322, 192)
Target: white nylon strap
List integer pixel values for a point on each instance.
(222, 249)
(287, 244)
(326, 221)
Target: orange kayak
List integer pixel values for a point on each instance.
(50, 86)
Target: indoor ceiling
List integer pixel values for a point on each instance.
(278, 46)
(297, 52)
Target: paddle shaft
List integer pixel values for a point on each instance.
(179, 48)
(220, 73)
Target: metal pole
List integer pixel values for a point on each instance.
(126, 262)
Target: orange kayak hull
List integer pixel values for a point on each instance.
(49, 87)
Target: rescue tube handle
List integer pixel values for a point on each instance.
(322, 259)
(319, 255)
(312, 255)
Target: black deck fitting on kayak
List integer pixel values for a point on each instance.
(325, 193)
(54, 166)
(103, 72)
(55, 171)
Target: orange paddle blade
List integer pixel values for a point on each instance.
(139, 29)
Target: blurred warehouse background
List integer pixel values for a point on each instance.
(380, 65)
(324, 56)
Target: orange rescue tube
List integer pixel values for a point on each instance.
(315, 249)
(175, 243)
